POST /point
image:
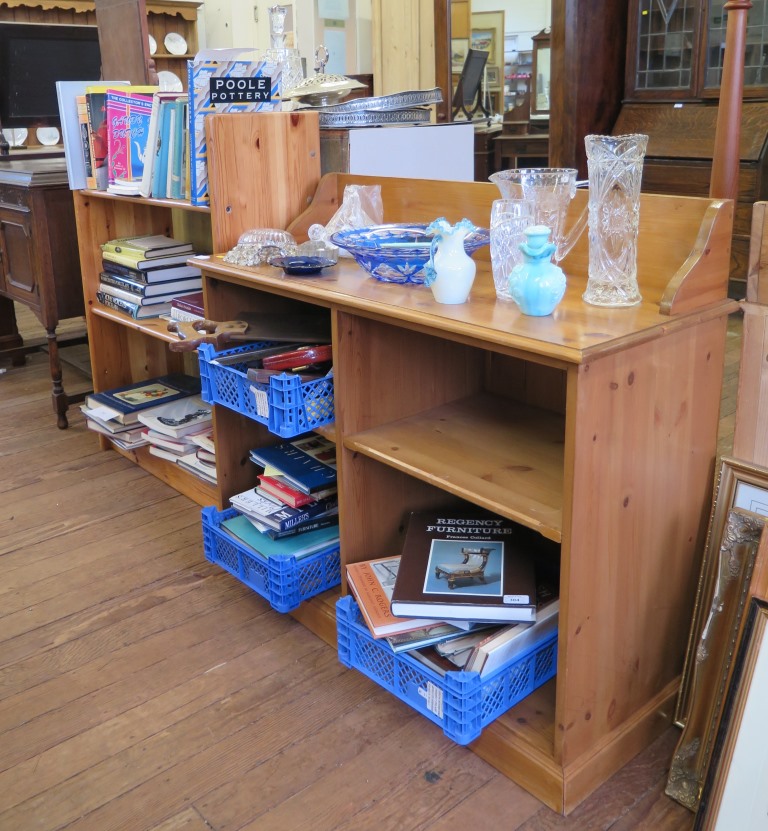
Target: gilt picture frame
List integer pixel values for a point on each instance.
(727, 579)
(734, 793)
(488, 35)
(737, 485)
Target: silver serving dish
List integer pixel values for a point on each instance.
(329, 120)
(321, 90)
(388, 103)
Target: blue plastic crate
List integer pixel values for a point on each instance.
(286, 405)
(462, 703)
(284, 581)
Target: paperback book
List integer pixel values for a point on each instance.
(466, 566)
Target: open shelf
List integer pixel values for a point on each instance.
(155, 327)
(501, 455)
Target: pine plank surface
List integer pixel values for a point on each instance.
(142, 689)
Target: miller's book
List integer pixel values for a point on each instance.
(466, 566)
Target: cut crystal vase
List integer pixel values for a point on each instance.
(615, 166)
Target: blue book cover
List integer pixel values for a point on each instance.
(160, 170)
(308, 463)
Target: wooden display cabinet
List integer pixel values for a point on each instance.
(596, 427)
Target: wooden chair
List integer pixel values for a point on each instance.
(472, 567)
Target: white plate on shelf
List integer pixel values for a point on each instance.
(15, 136)
(169, 81)
(48, 136)
(175, 44)
(152, 45)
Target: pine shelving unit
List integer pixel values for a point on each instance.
(595, 427)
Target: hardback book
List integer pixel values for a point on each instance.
(133, 297)
(308, 463)
(276, 515)
(127, 132)
(127, 439)
(191, 304)
(97, 420)
(436, 634)
(153, 273)
(137, 261)
(298, 546)
(142, 289)
(179, 418)
(134, 310)
(149, 246)
(128, 401)
(82, 123)
(466, 566)
(279, 489)
(210, 65)
(372, 582)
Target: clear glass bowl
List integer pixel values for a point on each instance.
(397, 253)
(259, 245)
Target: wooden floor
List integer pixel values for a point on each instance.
(143, 689)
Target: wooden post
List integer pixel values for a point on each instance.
(724, 183)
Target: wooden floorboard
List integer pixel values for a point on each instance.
(143, 689)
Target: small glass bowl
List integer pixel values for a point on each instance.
(397, 253)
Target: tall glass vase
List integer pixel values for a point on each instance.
(615, 166)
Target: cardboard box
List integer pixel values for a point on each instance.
(222, 81)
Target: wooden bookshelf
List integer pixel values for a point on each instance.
(597, 427)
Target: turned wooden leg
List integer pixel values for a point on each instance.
(58, 396)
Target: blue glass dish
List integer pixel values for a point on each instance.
(301, 266)
(397, 253)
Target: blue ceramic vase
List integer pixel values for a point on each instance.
(537, 285)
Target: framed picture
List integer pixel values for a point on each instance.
(738, 485)
(727, 577)
(734, 793)
(493, 77)
(459, 48)
(488, 35)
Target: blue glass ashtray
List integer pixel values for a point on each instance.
(301, 266)
(397, 253)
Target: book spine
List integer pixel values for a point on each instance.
(112, 267)
(296, 516)
(312, 525)
(194, 306)
(117, 144)
(95, 104)
(136, 287)
(178, 154)
(118, 304)
(184, 316)
(82, 123)
(160, 171)
(131, 296)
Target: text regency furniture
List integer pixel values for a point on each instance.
(595, 427)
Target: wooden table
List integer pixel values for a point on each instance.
(39, 263)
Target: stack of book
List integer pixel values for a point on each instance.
(116, 413)
(470, 590)
(166, 172)
(175, 431)
(297, 492)
(142, 275)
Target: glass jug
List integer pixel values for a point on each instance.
(550, 191)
